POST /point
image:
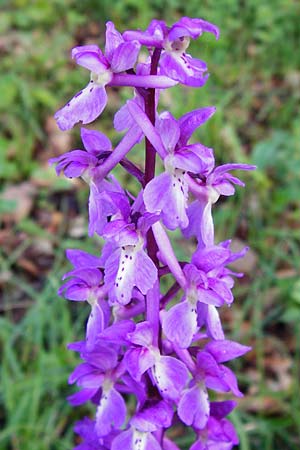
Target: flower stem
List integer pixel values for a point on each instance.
(152, 298)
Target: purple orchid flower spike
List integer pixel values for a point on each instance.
(174, 61)
(163, 346)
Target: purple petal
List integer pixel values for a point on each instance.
(94, 141)
(193, 407)
(80, 371)
(125, 56)
(117, 332)
(224, 188)
(209, 297)
(81, 397)
(90, 57)
(168, 193)
(231, 380)
(152, 37)
(192, 27)
(168, 130)
(170, 376)
(111, 412)
(133, 439)
(221, 170)
(86, 106)
(137, 361)
(210, 258)
(95, 325)
(180, 324)
(213, 322)
(156, 192)
(193, 158)
(191, 121)
(153, 417)
(80, 258)
(145, 272)
(142, 335)
(112, 41)
(226, 350)
(221, 409)
(184, 68)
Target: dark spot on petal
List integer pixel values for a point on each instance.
(78, 93)
(91, 89)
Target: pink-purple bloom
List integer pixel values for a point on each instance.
(166, 351)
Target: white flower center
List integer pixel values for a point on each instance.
(178, 46)
(103, 78)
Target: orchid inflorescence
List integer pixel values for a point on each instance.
(163, 348)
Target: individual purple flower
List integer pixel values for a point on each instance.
(128, 265)
(85, 428)
(83, 163)
(86, 284)
(194, 406)
(149, 419)
(207, 188)
(167, 373)
(219, 434)
(174, 61)
(97, 377)
(205, 285)
(89, 103)
(168, 192)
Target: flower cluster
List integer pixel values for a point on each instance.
(164, 349)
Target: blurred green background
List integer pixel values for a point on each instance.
(255, 84)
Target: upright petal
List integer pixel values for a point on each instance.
(90, 57)
(112, 41)
(189, 122)
(168, 129)
(125, 56)
(94, 141)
